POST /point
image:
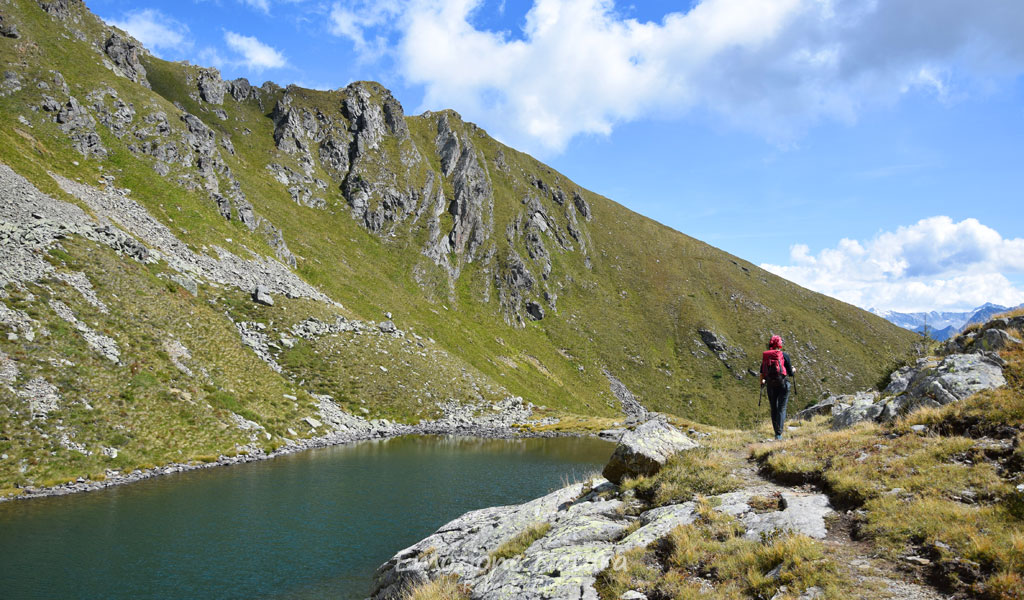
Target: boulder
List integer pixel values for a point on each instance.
(645, 450)
(261, 295)
(995, 340)
(825, 407)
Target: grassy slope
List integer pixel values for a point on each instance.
(635, 312)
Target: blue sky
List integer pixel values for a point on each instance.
(870, 150)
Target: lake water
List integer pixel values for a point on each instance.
(314, 524)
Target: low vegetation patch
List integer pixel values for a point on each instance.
(710, 559)
(446, 588)
(518, 544)
(701, 471)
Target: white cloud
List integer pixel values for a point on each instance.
(260, 5)
(934, 264)
(157, 32)
(354, 18)
(775, 67)
(254, 54)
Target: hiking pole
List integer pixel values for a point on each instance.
(760, 395)
(794, 385)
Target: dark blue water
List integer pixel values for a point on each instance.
(309, 525)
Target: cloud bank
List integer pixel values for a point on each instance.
(773, 68)
(933, 264)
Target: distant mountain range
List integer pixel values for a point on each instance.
(943, 325)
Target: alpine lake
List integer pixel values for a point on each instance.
(313, 524)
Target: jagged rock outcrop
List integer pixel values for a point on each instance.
(58, 8)
(211, 87)
(124, 53)
(74, 120)
(930, 382)
(645, 450)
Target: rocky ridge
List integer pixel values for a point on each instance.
(971, 363)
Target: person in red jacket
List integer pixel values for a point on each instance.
(775, 368)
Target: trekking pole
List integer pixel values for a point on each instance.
(759, 396)
(794, 385)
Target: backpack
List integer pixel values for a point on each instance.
(773, 366)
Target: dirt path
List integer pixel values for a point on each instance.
(871, 577)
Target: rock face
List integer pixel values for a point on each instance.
(645, 450)
(124, 53)
(930, 382)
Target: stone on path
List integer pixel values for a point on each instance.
(645, 450)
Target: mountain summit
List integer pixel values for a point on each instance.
(193, 267)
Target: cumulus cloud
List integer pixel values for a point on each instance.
(158, 32)
(253, 53)
(580, 66)
(935, 263)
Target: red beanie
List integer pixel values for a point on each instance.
(775, 343)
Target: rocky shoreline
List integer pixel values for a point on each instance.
(479, 428)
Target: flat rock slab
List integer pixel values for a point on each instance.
(645, 450)
(804, 514)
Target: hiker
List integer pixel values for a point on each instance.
(775, 367)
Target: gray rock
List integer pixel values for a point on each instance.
(803, 514)
(658, 522)
(929, 383)
(124, 53)
(628, 403)
(825, 407)
(856, 408)
(8, 29)
(211, 86)
(632, 595)
(58, 8)
(581, 205)
(261, 295)
(74, 120)
(535, 310)
(461, 547)
(645, 450)
(387, 327)
(995, 340)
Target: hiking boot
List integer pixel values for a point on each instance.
(778, 436)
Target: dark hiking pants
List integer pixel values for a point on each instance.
(778, 396)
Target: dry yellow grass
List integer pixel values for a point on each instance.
(446, 588)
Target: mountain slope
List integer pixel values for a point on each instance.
(501, 275)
